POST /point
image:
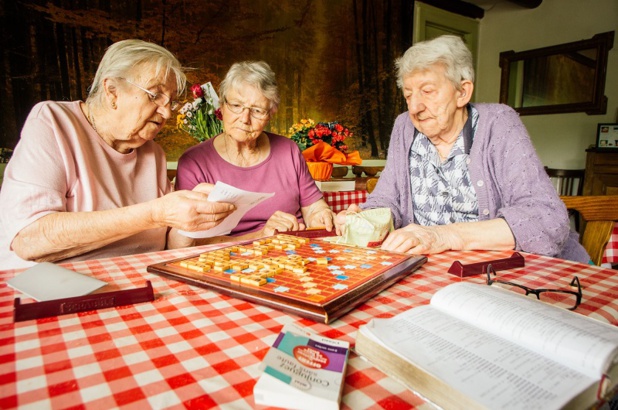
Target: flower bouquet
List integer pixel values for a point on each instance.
(307, 133)
(202, 117)
(323, 145)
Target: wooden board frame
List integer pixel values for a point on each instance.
(326, 311)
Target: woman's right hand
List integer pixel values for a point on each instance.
(281, 222)
(190, 210)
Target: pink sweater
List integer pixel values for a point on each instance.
(62, 165)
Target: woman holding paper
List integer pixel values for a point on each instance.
(86, 180)
(248, 158)
(462, 176)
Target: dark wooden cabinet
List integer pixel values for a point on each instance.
(601, 172)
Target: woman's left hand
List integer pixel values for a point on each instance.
(319, 214)
(323, 217)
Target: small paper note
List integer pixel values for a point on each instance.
(47, 281)
(244, 201)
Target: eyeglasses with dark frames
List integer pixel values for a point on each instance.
(568, 299)
(256, 112)
(159, 99)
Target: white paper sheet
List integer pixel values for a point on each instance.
(46, 281)
(244, 201)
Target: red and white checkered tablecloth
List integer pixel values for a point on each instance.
(341, 200)
(611, 250)
(195, 348)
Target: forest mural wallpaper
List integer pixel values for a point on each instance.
(334, 59)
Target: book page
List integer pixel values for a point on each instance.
(577, 341)
(494, 372)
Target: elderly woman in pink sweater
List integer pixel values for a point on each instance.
(462, 176)
(87, 180)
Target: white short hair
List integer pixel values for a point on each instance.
(255, 73)
(126, 58)
(449, 51)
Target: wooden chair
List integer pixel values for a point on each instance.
(567, 181)
(599, 213)
(371, 184)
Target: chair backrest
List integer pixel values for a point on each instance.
(371, 184)
(567, 181)
(600, 214)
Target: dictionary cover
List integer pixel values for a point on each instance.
(302, 370)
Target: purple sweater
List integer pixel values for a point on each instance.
(507, 175)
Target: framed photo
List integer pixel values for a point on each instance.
(607, 135)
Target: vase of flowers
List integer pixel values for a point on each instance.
(322, 145)
(320, 170)
(201, 118)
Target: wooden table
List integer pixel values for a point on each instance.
(194, 348)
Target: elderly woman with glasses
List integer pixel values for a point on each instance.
(462, 176)
(86, 179)
(247, 157)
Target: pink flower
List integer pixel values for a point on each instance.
(197, 91)
(218, 114)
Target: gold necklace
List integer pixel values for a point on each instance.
(91, 119)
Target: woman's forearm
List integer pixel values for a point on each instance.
(62, 235)
(493, 234)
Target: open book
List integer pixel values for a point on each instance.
(478, 346)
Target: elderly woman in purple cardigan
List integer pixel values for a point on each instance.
(462, 176)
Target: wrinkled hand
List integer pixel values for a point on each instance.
(282, 222)
(323, 217)
(190, 210)
(341, 216)
(417, 239)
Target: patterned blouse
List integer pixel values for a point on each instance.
(442, 191)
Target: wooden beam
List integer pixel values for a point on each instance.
(530, 4)
(458, 7)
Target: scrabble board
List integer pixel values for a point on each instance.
(310, 277)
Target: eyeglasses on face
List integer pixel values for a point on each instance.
(159, 99)
(256, 112)
(568, 299)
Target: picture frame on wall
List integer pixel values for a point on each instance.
(607, 135)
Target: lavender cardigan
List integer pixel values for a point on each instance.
(508, 178)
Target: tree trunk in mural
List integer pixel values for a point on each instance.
(365, 60)
(376, 67)
(333, 58)
(388, 92)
